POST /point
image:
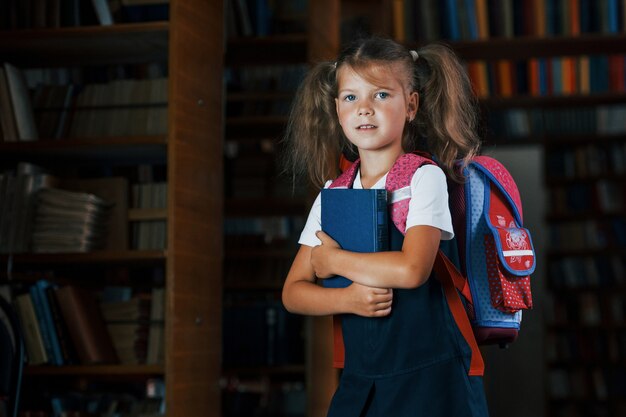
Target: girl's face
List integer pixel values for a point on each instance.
(373, 107)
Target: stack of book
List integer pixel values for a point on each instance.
(18, 199)
(128, 324)
(69, 221)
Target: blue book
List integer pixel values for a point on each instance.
(43, 328)
(451, 20)
(357, 220)
(44, 315)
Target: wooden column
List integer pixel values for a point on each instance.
(195, 181)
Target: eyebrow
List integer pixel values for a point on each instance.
(381, 87)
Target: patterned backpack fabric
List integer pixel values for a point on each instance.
(485, 270)
(495, 251)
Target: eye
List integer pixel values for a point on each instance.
(349, 97)
(382, 95)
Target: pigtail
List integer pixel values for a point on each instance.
(447, 115)
(312, 139)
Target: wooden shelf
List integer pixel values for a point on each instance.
(138, 214)
(564, 101)
(255, 126)
(259, 253)
(97, 45)
(521, 48)
(260, 96)
(96, 257)
(265, 370)
(191, 153)
(582, 216)
(151, 148)
(254, 207)
(552, 139)
(95, 370)
(585, 252)
(267, 50)
(563, 180)
(587, 363)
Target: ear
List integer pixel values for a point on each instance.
(337, 109)
(412, 105)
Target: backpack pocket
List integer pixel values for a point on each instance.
(510, 257)
(509, 286)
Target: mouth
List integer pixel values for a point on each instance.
(365, 127)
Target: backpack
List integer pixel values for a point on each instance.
(485, 270)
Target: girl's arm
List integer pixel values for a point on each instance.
(407, 268)
(302, 295)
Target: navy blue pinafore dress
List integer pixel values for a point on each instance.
(411, 363)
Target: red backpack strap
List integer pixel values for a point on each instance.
(344, 163)
(338, 347)
(399, 185)
(451, 281)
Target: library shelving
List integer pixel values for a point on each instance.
(557, 84)
(263, 366)
(551, 74)
(183, 152)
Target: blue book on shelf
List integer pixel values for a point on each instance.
(451, 20)
(44, 317)
(357, 220)
(41, 287)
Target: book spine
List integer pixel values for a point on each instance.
(41, 288)
(382, 230)
(43, 328)
(68, 356)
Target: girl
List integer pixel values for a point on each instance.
(404, 355)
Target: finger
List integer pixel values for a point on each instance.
(382, 313)
(382, 298)
(321, 235)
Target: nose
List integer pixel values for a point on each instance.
(365, 111)
(365, 108)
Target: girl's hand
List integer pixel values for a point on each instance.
(369, 301)
(321, 254)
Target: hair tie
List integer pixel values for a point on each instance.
(414, 55)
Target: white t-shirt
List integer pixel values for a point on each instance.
(428, 205)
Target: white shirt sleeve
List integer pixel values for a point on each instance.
(429, 201)
(313, 222)
(428, 206)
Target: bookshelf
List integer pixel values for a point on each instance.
(550, 74)
(187, 155)
(263, 366)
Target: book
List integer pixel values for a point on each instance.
(7, 115)
(357, 220)
(103, 13)
(68, 353)
(114, 190)
(156, 331)
(33, 341)
(21, 103)
(86, 325)
(46, 326)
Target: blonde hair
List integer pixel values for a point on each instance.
(445, 124)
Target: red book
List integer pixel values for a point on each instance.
(533, 77)
(88, 332)
(616, 73)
